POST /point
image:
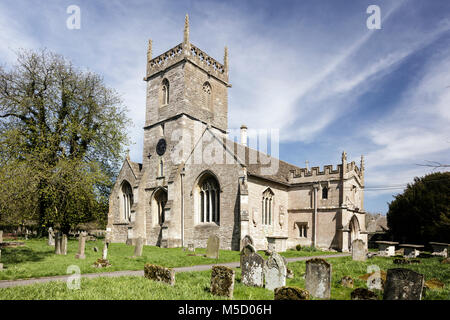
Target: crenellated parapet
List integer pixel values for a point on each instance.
(315, 171)
(187, 51)
(165, 60)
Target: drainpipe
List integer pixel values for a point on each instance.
(315, 217)
(182, 208)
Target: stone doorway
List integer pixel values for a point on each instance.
(354, 231)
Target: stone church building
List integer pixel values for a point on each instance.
(195, 181)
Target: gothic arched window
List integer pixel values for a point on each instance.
(165, 92)
(207, 93)
(160, 201)
(127, 200)
(267, 205)
(209, 200)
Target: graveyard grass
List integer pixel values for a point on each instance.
(37, 259)
(195, 285)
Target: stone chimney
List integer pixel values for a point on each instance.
(244, 135)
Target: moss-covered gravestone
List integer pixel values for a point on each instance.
(252, 269)
(318, 278)
(158, 273)
(222, 281)
(291, 293)
(403, 284)
(363, 294)
(212, 247)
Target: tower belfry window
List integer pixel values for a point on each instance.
(207, 93)
(165, 92)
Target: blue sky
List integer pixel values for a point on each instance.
(310, 68)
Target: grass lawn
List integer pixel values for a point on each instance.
(195, 285)
(37, 259)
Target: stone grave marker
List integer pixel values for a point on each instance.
(440, 249)
(191, 247)
(64, 244)
(246, 241)
(51, 237)
(222, 281)
(1, 236)
(252, 269)
(291, 293)
(363, 294)
(1, 264)
(212, 247)
(248, 249)
(138, 248)
(81, 246)
(318, 278)
(157, 273)
(359, 252)
(105, 251)
(275, 272)
(403, 284)
(58, 243)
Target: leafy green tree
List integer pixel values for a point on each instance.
(63, 137)
(422, 212)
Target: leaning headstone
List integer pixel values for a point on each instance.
(275, 272)
(363, 294)
(138, 248)
(403, 284)
(291, 293)
(252, 266)
(157, 273)
(318, 278)
(51, 237)
(222, 281)
(212, 247)
(359, 252)
(64, 244)
(81, 246)
(58, 243)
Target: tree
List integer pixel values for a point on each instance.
(63, 137)
(422, 212)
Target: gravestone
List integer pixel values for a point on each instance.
(222, 281)
(359, 252)
(248, 249)
(51, 237)
(439, 249)
(138, 248)
(157, 273)
(1, 236)
(386, 248)
(275, 272)
(252, 266)
(290, 293)
(318, 278)
(403, 284)
(191, 247)
(363, 294)
(246, 241)
(81, 246)
(1, 264)
(58, 243)
(105, 251)
(212, 247)
(64, 244)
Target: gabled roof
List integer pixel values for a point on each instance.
(135, 167)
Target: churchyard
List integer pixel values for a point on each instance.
(258, 277)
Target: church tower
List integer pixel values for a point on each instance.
(184, 83)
